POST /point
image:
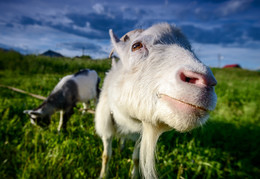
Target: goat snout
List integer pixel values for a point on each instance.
(197, 79)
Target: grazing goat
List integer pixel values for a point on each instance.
(79, 87)
(157, 85)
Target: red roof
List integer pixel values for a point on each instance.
(232, 66)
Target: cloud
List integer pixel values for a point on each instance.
(99, 8)
(80, 46)
(9, 25)
(233, 6)
(24, 20)
(102, 23)
(224, 34)
(214, 10)
(254, 33)
(93, 25)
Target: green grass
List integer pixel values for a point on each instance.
(226, 147)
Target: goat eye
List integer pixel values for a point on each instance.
(137, 46)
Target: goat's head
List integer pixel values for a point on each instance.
(39, 117)
(168, 83)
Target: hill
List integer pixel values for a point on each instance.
(50, 53)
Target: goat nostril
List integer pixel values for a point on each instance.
(193, 78)
(187, 79)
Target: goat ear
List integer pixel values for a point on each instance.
(36, 113)
(113, 37)
(119, 46)
(32, 112)
(27, 111)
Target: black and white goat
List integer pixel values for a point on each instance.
(79, 87)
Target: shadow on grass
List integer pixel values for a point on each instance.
(234, 147)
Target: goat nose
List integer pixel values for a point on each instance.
(197, 78)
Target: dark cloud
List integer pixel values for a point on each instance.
(24, 20)
(80, 45)
(213, 11)
(226, 34)
(72, 30)
(214, 1)
(102, 22)
(91, 25)
(10, 25)
(256, 3)
(254, 33)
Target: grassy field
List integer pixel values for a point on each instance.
(228, 146)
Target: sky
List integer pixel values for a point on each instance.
(221, 31)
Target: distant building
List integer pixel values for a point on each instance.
(232, 66)
(51, 53)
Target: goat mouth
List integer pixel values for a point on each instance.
(180, 101)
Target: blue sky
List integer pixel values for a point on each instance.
(226, 28)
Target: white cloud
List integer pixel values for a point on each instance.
(233, 6)
(99, 8)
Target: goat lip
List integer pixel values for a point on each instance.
(169, 98)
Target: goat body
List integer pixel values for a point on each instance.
(80, 87)
(157, 85)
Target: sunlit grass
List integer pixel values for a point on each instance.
(226, 147)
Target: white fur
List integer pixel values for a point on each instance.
(86, 85)
(140, 91)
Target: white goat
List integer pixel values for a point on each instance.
(157, 85)
(79, 87)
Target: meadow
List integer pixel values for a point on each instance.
(228, 146)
